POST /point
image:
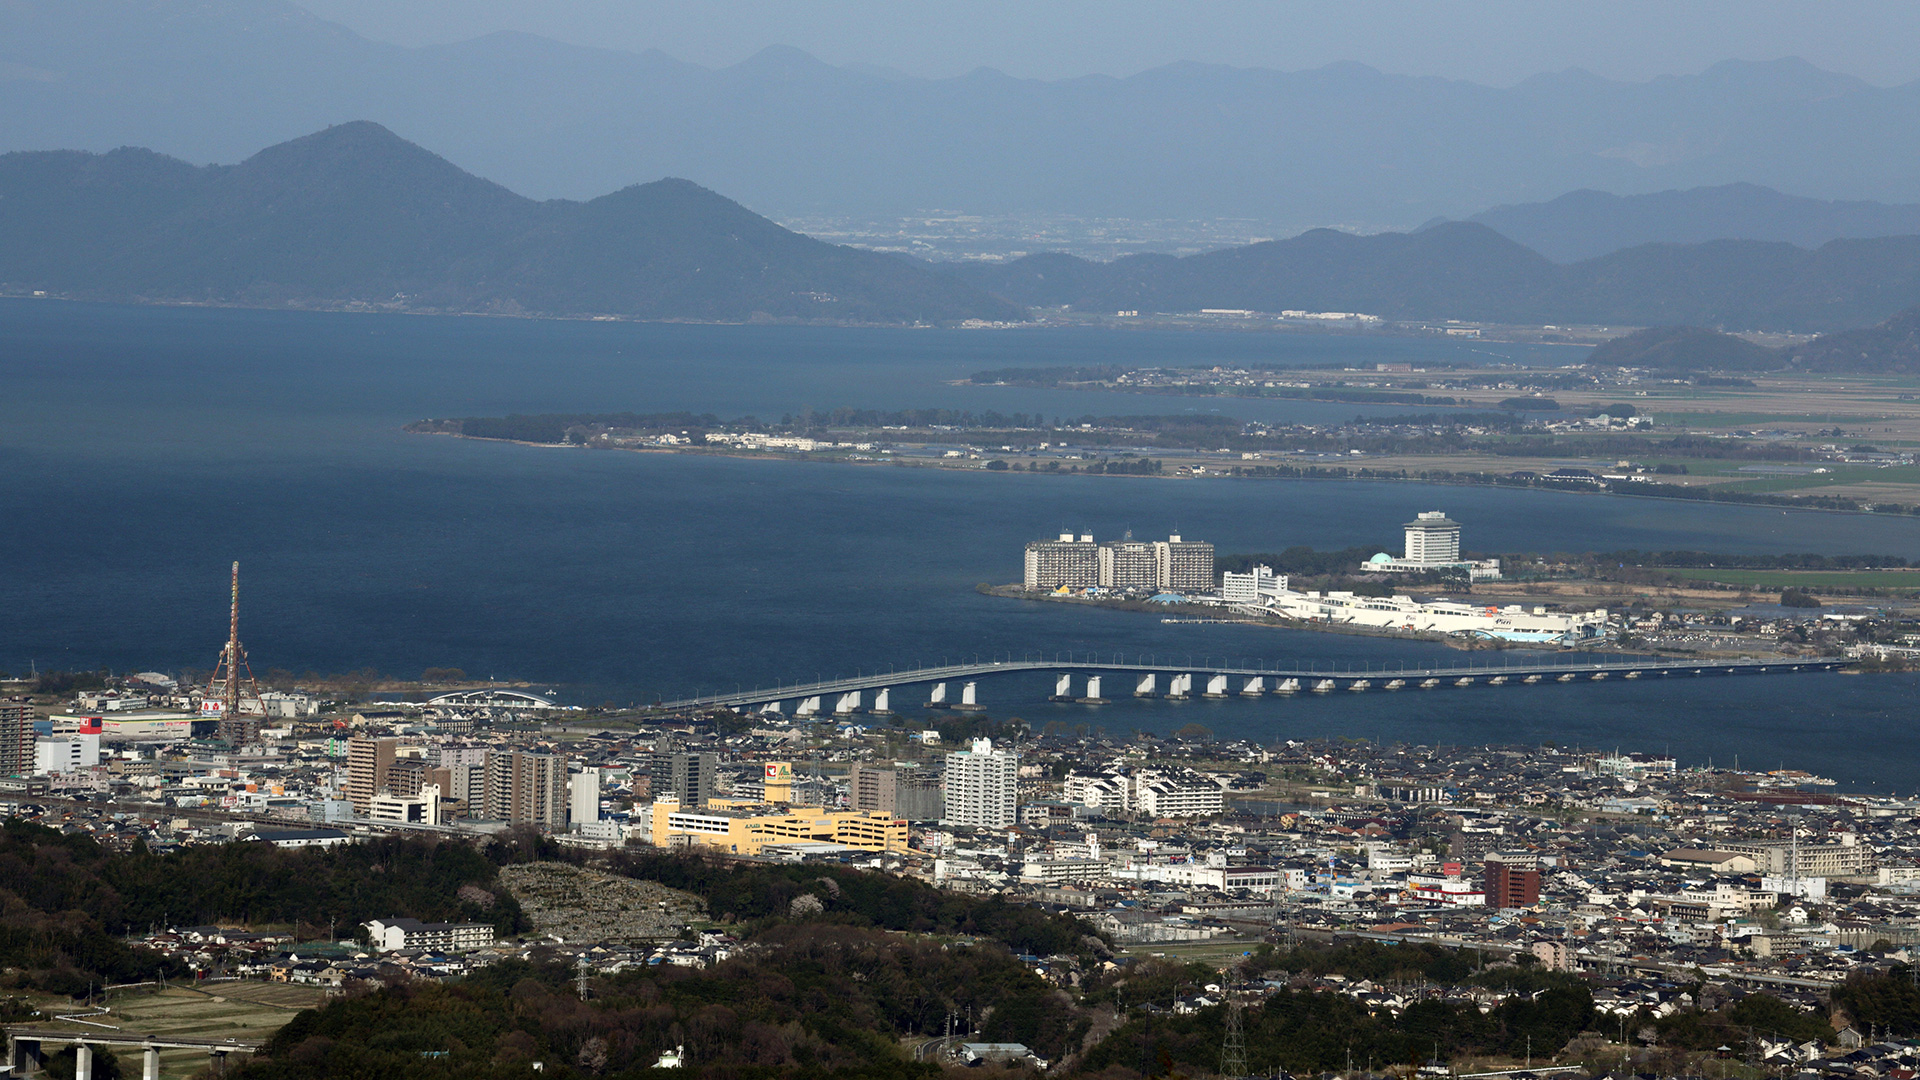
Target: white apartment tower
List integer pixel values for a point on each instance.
(1066, 561)
(1129, 564)
(1183, 565)
(1433, 538)
(982, 785)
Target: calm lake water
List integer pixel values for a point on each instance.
(143, 449)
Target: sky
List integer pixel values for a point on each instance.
(1496, 42)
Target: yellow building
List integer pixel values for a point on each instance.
(740, 829)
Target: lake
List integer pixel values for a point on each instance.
(144, 449)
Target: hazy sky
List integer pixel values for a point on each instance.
(1489, 41)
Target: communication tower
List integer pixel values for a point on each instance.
(1233, 1049)
(231, 696)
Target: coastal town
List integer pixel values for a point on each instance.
(1657, 883)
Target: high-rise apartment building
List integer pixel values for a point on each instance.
(1129, 564)
(1183, 565)
(16, 738)
(1066, 561)
(982, 787)
(369, 761)
(1512, 879)
(690, 777)
(524, 788)
(1126, 565)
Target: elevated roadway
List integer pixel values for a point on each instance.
(1253, 679)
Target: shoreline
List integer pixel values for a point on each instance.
(1214, 615)
(1345, 476)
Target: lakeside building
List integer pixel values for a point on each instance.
(1432, 543)
(981, 787)
(1510, 623)
(1249, 587)
(1125, 565)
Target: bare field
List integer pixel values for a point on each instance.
(245, 1011)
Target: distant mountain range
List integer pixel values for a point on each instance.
(1588, 224)
(357, 214)
(1463, 270)
(1345, 145)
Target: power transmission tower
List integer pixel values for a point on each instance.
(1233, 1049)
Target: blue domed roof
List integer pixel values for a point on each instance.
(1382, 557)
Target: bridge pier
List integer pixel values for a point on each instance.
(1255, 687)
(848, 704)
(771, 708)
(82, 1062)
(25, 1055)
(150, 1063)
(1216, 686)
(1147, 683)
(1062, 687)
(968, 701)
(883, 702)
(1180, 687)
(1093, 692)
(808, 707)
(938, 698)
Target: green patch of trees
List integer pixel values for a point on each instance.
(67, 899)
(817, 1000)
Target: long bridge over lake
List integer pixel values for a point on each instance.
(1149, 677)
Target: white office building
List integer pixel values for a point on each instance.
(66, 754)
(1250, 587)
(982, 787)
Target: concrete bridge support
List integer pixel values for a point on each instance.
(937, 699)
(883, 702)
(969, 700)
(848, 704)
(1180, 687)
(1093, 691)
(771, 708)
(150, 1063)
(26, 1056)
(82, 1062)
(1063, 687)
(1147, 683)
(1216, 686)
(808, 707)
(1255, 687)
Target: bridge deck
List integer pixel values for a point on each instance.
(1346, 676)
(128, 1038)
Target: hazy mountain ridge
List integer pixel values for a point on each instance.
(1585, 224)
(1341, 144)
(355, 213)
(1463, 270)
